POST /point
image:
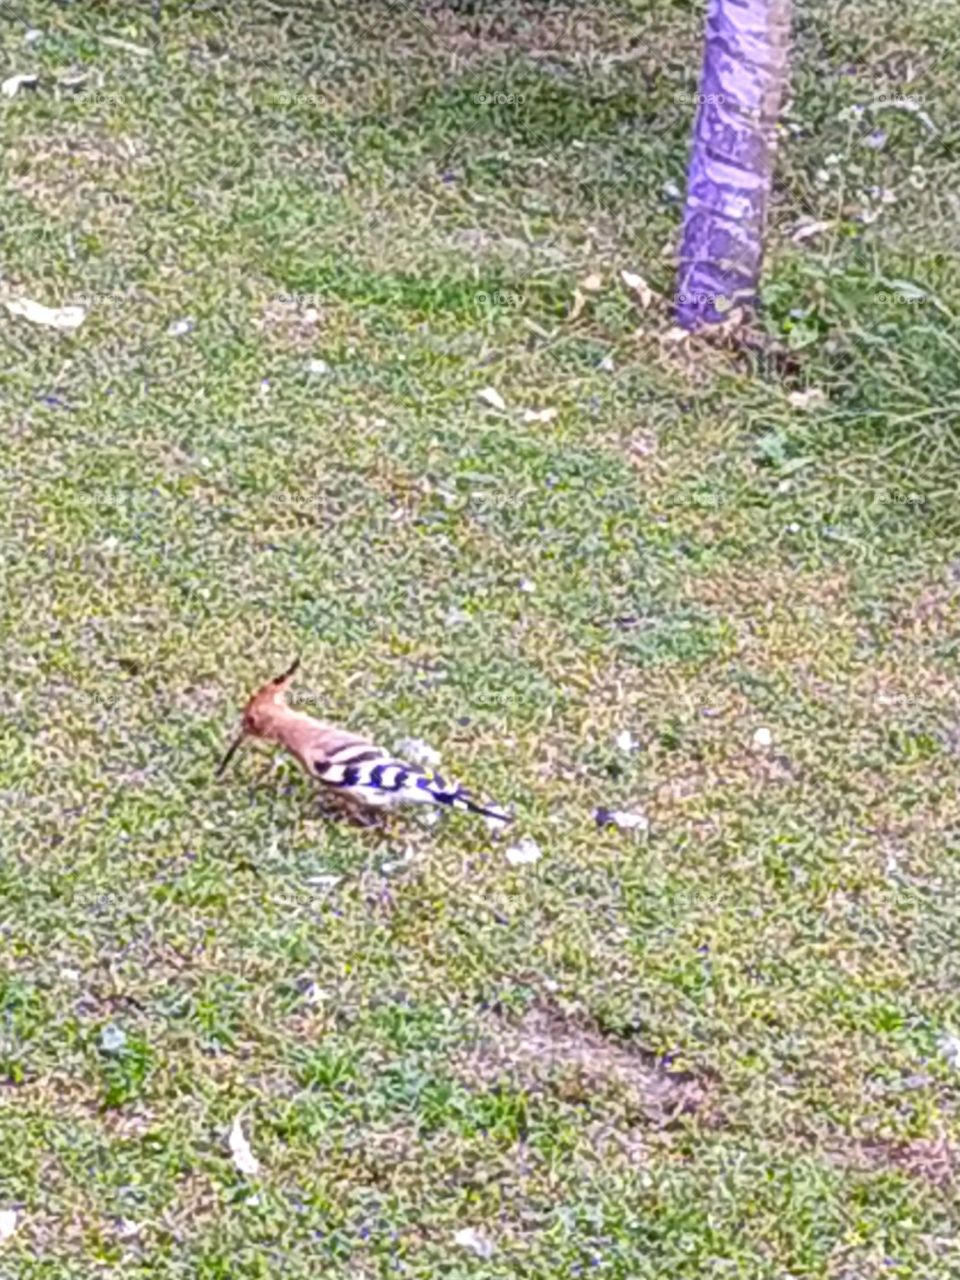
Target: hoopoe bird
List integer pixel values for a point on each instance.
(354, 769)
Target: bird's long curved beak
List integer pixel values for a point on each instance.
(231, 752)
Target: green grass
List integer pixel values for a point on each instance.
(714, 1051)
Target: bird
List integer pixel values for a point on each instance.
(363, 777)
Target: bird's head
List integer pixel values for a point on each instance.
(261, 713)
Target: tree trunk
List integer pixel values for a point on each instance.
(745, 59)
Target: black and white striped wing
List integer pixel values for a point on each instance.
(372, 776)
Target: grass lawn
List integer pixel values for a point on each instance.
(307, 237)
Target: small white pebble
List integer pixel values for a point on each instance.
(793, 527)
(527, 585)
(763, 738)
(32, 36)
(317, 366)
(625, 741)
(606, 364)
(523, 853)
(179, 327)
(8, 1223)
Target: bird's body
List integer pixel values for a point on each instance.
(353, 768)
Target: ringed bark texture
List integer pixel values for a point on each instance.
(745, 61)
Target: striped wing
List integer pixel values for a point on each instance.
(374, 777)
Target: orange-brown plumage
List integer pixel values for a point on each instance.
(347, 763)
(267, 716)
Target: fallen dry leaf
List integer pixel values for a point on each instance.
(470, 1239)
(636, 284)
(243, 1158)
(579, 302)
(52, 317)
(806, 228)
(623, 819)
(13, 84)
(492, 397)
(115, 43)
(676, 334)
(524, 853)
(324, 882)
(812, 398)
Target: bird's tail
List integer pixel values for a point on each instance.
(485, 811)
(459, 798)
